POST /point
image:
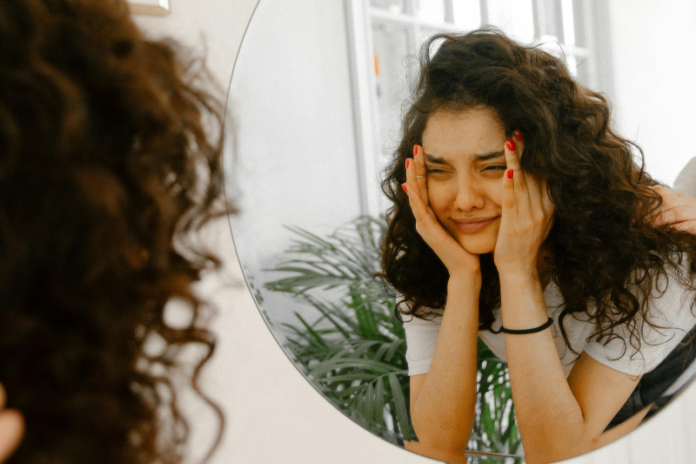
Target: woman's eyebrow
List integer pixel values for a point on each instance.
(488, 156)
(434, 159)
(483, 157)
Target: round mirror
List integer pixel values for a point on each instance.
(317, 94)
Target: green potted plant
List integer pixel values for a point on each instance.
(351, 346)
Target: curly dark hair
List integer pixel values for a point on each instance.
(604, 239)
(110, 158)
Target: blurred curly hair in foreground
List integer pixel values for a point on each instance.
(109, 160)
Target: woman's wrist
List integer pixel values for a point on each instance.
(467, 278)
(518, 275)
(520, 283)
(522, 300)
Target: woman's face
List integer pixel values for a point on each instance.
(465, 163)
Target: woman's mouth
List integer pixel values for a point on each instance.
(471, 226)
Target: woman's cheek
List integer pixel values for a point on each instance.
(438, 202)
(495, 191)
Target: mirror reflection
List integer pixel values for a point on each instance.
(519, 249)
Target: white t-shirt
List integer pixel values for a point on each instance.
(671, 309)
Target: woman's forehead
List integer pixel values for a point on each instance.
(469, 132)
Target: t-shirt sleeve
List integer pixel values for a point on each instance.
(421, 338)
(670, 313)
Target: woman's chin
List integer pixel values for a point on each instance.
(481, 242)
(478, 245)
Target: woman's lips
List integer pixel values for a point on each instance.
(473, 226)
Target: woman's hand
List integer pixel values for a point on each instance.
(11, 428)
(455, 258)
(527, 216)
(678, 210)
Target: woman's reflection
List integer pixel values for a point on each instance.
(519, 216)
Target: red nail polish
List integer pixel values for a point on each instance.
(403, 186)
(415, 150)
(408, 162)
(518, 135)
(510, 145)
(510, 173)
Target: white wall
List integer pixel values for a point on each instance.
(273, 414)
(292, 109)
(654, 68)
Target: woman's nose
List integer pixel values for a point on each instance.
(469, 197)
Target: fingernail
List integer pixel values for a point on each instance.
(403, 186)
(408, 162)
(510, 145)
(518, 135)
(510, 173)
(415, 150)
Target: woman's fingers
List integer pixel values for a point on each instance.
(509, 202)
(419, 205)
(427, 225)
(452, 254)
(421, 178)
(518, 140)
(11, 428)
(512, 160)
(415, 201)
(533, 188)
(546, 202)
(527, 215)
(525, 197)
(11, 432)
(548, 207)
(511, 157)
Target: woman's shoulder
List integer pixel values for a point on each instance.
(424, 317)
(673, 278)
(673, 293)
(421, 339)
(667, 316)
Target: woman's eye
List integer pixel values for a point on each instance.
(434, 171)
(495, 168)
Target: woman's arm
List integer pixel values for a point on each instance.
(443, 400)
(557, 417)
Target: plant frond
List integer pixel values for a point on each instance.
(349, 344)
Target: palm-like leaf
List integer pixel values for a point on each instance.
(354, 351)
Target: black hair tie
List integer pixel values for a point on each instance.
(528, 331)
